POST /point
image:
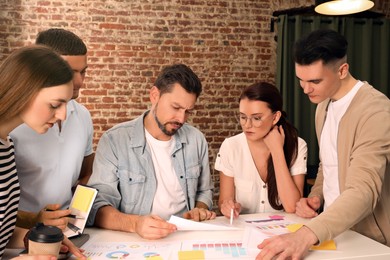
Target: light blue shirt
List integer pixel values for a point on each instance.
(49, 164)
(123, 169)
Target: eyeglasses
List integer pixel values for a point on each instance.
(256, 120)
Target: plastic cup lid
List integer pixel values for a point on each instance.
(45, 234)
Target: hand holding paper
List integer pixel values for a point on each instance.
(153, 227)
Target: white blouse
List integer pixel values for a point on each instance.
(235, 160)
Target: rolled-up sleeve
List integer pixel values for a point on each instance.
(205, 184)
(104, 177)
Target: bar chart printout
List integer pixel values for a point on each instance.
(219, 249)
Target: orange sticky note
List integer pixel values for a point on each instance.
(326, 245)
(191, 255)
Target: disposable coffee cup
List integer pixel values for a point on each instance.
(45, 240)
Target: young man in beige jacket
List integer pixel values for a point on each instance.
(352, 125)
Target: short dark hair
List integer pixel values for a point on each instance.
(62, 41)
(323, 44)
(178, 73)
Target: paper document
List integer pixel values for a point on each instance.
(214, 249)
(259, 229)
(185, 224)
(153, 250)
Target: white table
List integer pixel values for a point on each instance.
(350, 245)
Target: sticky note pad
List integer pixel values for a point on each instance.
(155, 258)
(191, 255)
(326, 245)
(293, 227)
(82, 198)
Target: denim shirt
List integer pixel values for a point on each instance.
(123, 169)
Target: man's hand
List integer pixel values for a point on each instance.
(307, 207)
(292, 246)
(153, 227)
(199, 214)
(51, 215)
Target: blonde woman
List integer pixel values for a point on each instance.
(35, 85)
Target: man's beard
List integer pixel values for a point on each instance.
(163, 127)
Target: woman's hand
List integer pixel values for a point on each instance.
(228, 205)
(275, 138)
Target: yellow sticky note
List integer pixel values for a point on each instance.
(191, 255)
(155, 258)
(293, 227)
(82, 198)
(326, 245)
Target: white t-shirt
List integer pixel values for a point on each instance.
(49, 164)
(235, 160)
(169, 198)
(328, 145)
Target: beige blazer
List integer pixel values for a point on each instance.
(364, 169)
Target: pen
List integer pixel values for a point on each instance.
(73, 216)
(74, 228)
(68, 216)
(231, 216)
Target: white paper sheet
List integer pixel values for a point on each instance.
(185, 224)
(258, 230)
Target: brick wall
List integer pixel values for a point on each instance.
(228, 43)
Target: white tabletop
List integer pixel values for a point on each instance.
(350, 245)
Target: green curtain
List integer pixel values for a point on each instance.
(368, 57)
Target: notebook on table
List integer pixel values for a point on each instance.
(80, 206)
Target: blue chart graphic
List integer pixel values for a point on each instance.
(228, 249)
(151, 254)
(128, 250)
(117, 255)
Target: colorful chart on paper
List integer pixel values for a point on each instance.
(224, 249)
(130, 250)
(274, 225)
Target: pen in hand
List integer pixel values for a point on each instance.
(231, 216)
(68, 216)
(74, 216)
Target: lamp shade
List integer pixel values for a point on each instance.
(343, 7)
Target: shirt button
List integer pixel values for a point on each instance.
(262, 202)
(174, 155)
(130, 179)
(264, 186)
(181, 177)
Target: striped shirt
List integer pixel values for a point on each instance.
(9, 192)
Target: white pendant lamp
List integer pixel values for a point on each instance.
(343, 7)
